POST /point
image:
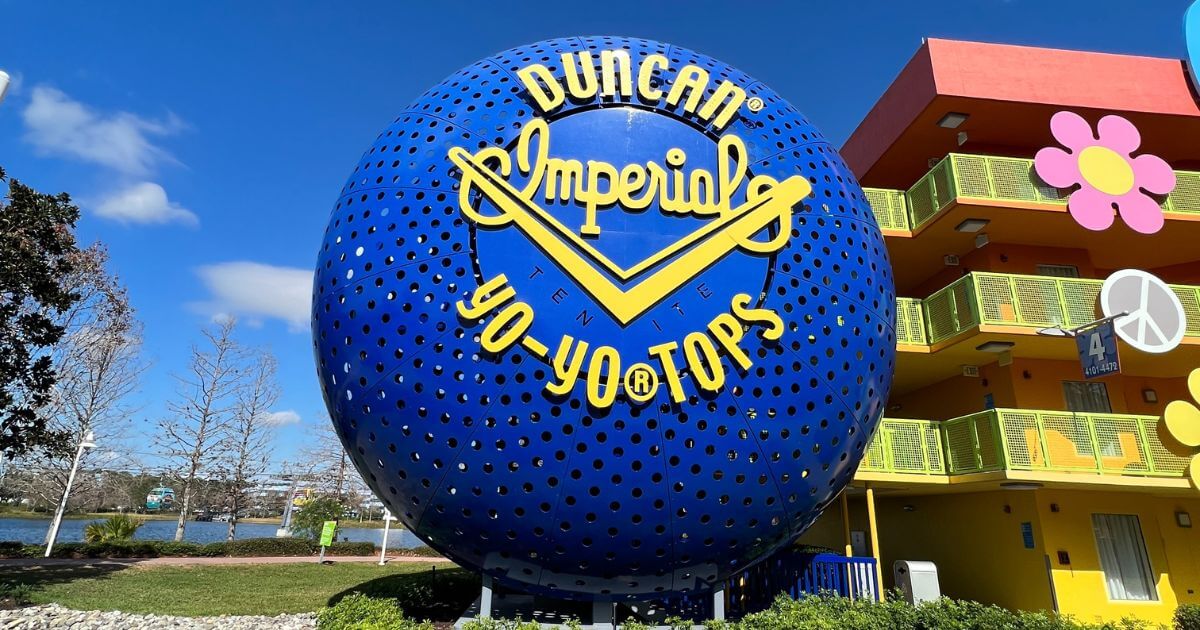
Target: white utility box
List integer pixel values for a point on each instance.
(917, 579)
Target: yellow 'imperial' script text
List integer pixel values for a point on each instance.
(634, 187)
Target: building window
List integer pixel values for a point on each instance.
(1123, 557)
(1058, 271)
(1085, 397)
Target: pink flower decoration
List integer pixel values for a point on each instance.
(1107, 174)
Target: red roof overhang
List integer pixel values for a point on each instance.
(1010, 93)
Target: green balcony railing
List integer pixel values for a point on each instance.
(890, 208)
(906, 446)
(1061, 441)
(910, 322)
(973, 444)
(1023, 440)
(1017, 300)
(988, 178)
(951, 310)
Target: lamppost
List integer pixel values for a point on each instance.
(387, 524)
(87, 443)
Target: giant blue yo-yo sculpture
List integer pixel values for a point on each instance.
(604, 318)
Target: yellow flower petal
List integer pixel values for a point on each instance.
(1194, 384)
(1181, 422)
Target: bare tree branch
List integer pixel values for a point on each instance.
(189, 438)
(328, 464)
(246, 449)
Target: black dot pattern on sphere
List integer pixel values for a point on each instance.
(549, 495)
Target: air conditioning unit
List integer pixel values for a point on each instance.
(951, 260)
(971, 371)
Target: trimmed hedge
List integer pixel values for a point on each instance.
(815, 612)
(271, 547)
(422, 552)
(828, 611)
(248, 547)
(1187, 617)
(359, 612)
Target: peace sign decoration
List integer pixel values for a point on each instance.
(1154, 319)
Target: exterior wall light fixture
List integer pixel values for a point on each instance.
(995, 346)
(1021, 485)
(971, 225)
(952, 120)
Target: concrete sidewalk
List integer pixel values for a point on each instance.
(178, 562)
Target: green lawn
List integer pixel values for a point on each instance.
(251, 589)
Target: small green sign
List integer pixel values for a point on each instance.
(327, 533)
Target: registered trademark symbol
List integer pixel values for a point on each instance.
(641, 382)
(755, 104)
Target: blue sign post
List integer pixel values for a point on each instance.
(1098, 351)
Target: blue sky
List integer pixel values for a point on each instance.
(206, 144)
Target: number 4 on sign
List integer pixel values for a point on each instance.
(1098, 351)
(1096, 346)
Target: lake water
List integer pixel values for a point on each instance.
(33, 532)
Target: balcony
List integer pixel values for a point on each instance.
(988, 180)
(1023, 444)
(1019, 303)
(904, 446)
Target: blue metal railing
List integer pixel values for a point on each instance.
(788, 572)
(796, 574)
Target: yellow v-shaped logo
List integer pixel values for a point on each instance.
(664, 272)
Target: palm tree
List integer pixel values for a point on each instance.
(114, 528)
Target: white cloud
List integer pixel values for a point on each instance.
(254, 290)
(144, 203)
(58, 125)
(282, 418)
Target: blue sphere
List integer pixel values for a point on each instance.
(604, 319)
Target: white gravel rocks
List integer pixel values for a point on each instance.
(55, 616)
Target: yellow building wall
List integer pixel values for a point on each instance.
(1030, 384)
(975, 543)
(1174, 552)
(975, 260)
(1038, 384)
(975, 540)
(827, 530)
(1167, 389)
(956, 396)
(1006, 258)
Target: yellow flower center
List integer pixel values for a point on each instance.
(1106, 170)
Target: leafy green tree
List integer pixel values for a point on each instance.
(312, 516)
(37, 242)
